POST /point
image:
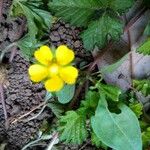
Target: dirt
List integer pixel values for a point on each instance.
(21, 95)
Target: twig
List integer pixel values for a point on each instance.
(4, 105)
(88, 142)
(34, 117)
(31, 143)
(75, 99)
(99, 55)
(53, 141)
(130, 55)
(28, 113)
(135, 19)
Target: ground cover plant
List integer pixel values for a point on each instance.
(98, 95)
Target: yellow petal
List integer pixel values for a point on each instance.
(54, 84)
(37, 72)
(69, 74)
(44, 55)
(64, 55)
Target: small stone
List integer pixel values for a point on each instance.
(77, 44)
(54, 38)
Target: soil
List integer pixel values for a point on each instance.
(21, 95)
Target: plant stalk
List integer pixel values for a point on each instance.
(3, 105)
(6, 50)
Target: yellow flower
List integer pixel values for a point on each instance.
(54, 69)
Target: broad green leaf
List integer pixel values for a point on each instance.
(118, 131)
(110, 91)
(73, 127)
(101, 31)
(66, 94)
(145, 48)
(77, 12)
(114, 66)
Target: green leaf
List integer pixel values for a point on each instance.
(37, 18)
(142, 86)
(110, 91)
(66, 94)
(90, 103)
(121, 6)
(137, 108)
(118, 131)
(146, 137)
(77, 12)
(27, 45)
(91, 100)
(147, 29)
(145, 48)
(97, 142)
(73, 127)
(57, 109)
(101, 31)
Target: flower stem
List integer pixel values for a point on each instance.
(6, 50)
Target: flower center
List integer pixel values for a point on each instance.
(53, 70)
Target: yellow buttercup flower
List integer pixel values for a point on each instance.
(54, 69)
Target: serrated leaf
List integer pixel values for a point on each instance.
(142, 86)
(77, 12)
(146, 137)
(37, 18)
(28, 45)
(97, 142)
(110, 91)
(101, 31)
(118, 131)
(121, 6)
(73, 127)
(91, 100)
(66, 94)
(90, 103)
(145, 48)
(137, 108)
